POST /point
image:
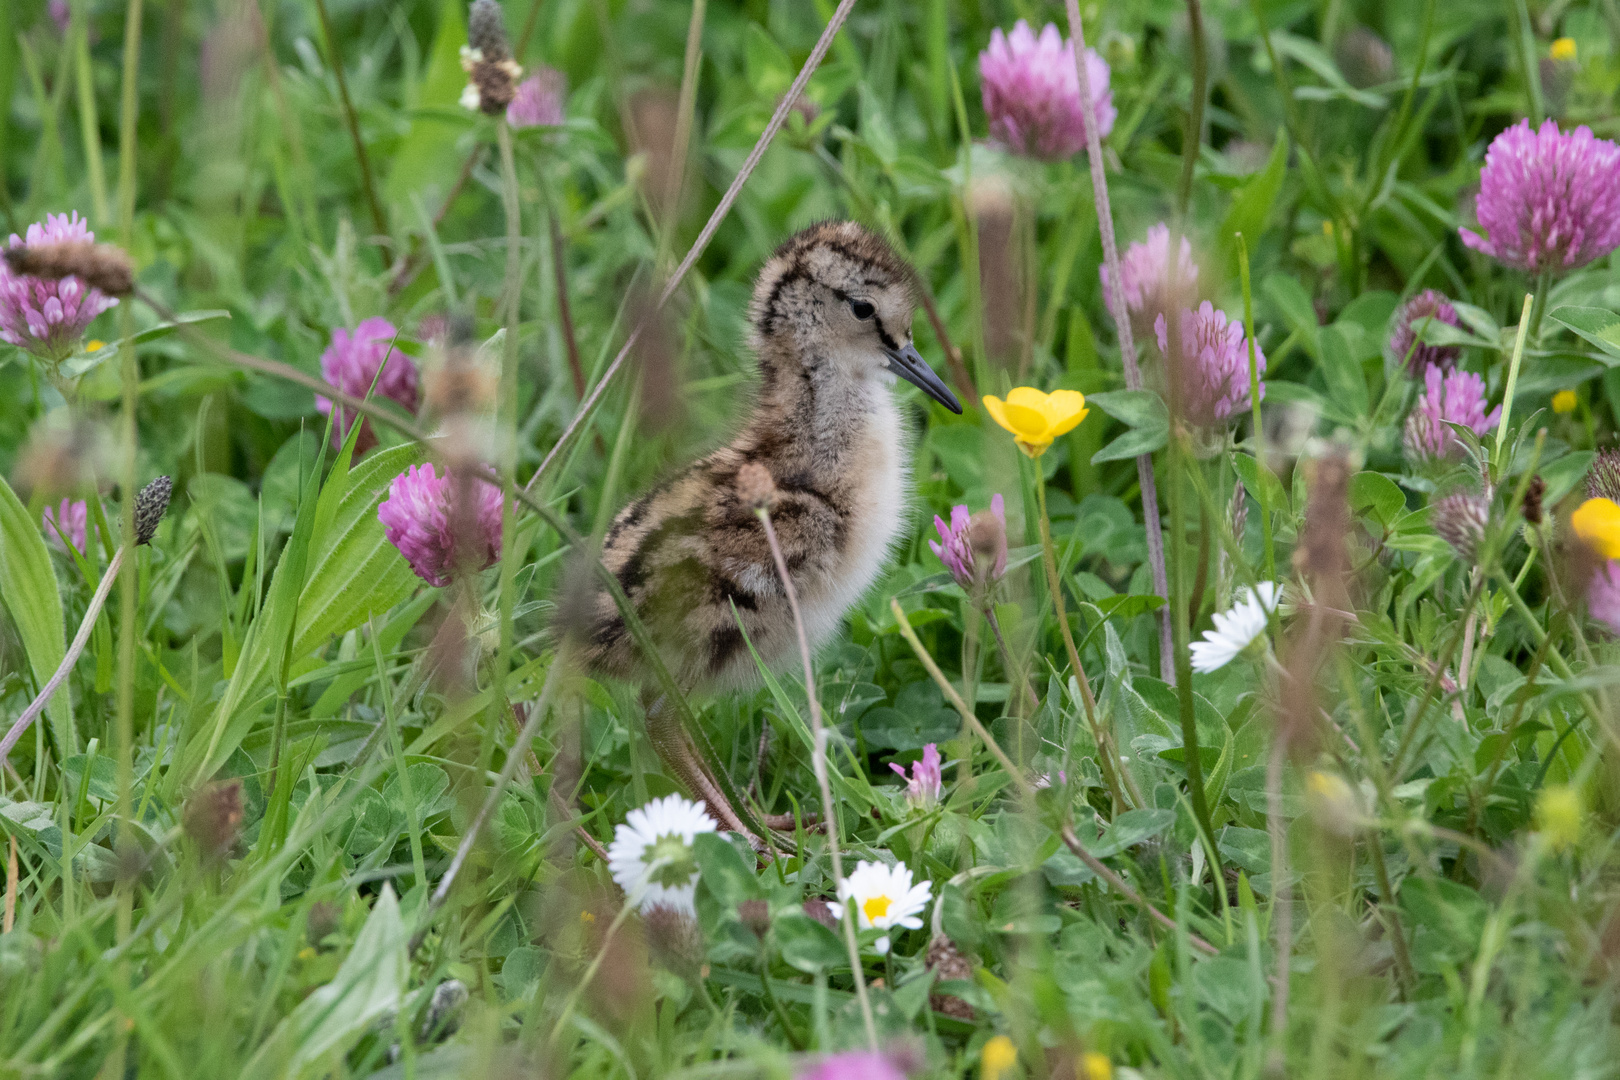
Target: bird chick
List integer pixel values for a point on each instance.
(831, 326)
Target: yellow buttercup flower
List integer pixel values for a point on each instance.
(1597, 522)
(1034, 418)
(95, 345)
(1558, 815)
(1096, 1066)
(1563, 49)
(998, 1054)
(1564, 401)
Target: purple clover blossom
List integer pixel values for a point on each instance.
(417, 520)
(855, 1065)
(350, 363)
(538, 101)
(1215, 367)
(48, 318)
(1145, 275)
(1426, 307)
(1457, 398)
(926, 783)
(1031, 93)
(1548, 200)
(955, 544)
(66, 524)
(1603, 595)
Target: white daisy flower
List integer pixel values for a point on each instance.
(1236, 628)
(651, 854)
(885, 898)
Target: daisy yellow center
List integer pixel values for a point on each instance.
(671, 861)
(876, 908)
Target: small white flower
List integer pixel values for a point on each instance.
(885, 898)
(470, 97)
(651, 854)
(1235, 629)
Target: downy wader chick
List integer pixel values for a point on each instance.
(831, 325)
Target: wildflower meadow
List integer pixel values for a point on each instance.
(849, 540)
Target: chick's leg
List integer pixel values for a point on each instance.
(676, 750)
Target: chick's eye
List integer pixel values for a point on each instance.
(862, 309)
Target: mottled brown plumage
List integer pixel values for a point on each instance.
(831, 325)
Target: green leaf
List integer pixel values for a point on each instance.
(1599, 326)
(1346, 382)
(1145, 414)
(369, 984)
(28, 589)
(808, 945)
(1255, 201)
(1294, 304)
(1261, 482)
(1377, 492)
(1132, 828)
(723, 872)
(427, 158)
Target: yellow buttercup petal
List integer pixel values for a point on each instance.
(996, 408)
(1597, 522)
(1026, 423)
(1027, 396)
(1564, 401)
(1065, 409)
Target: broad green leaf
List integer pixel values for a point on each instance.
(28, 588)
(1254, 203)
(368, 985)
(1132, 828)
(1378, 493)
(1136, 408)
(1599, 326)
(808, 945)
(1144, 412)
(1294, 304)
(1346, 382)
(723, 872)
(428, 157)
(1261, 483)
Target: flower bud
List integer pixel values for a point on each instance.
(755, 488)
(151, 503)
(1460, 519)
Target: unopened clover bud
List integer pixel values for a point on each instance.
(151, 503)
(1603, 480)
(1460, 519)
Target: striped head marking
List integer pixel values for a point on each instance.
(838, 293)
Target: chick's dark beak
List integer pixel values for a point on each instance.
(908, 363)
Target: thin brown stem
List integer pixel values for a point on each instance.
(1282, 901)
(1127, 345)
(818, 762)
(565, 316)
(783, 107)
(350, 120)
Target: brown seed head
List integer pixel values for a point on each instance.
(653, 116)
(755, 488)
(486, 30)
(1534, 492)
(151, 503)
(100, 266)
(987, 536)
(212, 818)
(1323, 555)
